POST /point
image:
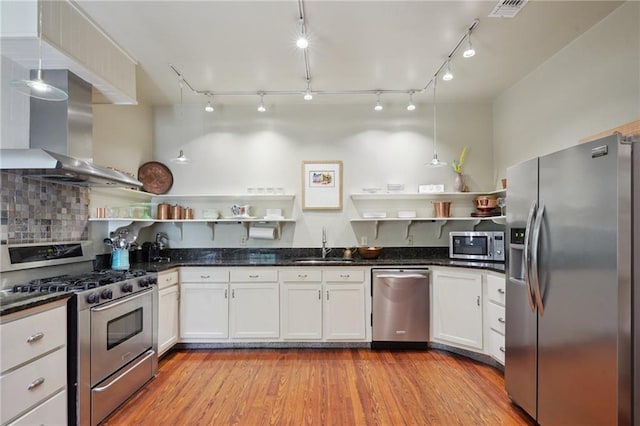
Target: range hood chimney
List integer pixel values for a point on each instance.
(60, 139)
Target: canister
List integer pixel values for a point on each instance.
(163, 211)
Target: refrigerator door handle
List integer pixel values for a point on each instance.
(527, 260)
(534, 258)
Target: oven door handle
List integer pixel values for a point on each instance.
(120, 301)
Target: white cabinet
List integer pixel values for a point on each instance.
(254, 311)
(33, 375)
(204, 304)
(301, 304)
(496, 315)
(344, 304)
(457, 307)
(168, 309)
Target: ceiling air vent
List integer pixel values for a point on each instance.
(507, 8)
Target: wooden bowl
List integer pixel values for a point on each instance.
(369, 252)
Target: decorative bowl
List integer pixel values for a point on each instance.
(369, 252)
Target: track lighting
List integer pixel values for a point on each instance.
(209, 107)
(302, 41)
(307, 94)
(261, 107)
(411, 106)
(469, 52)
(448, 75)
(378, 106)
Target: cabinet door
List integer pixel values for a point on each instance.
(344, 312)
(457, 307)
(168, 300)
(301, 312)
(204, 311)
(254, 310)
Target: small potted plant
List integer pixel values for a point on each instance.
(459, 184)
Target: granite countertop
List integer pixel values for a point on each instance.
(16, 302)
(335, 262)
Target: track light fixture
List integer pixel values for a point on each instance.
(302, 41)
(448, 75)
(307, 93)
(261, 107)
(411, 106)
(378, 106)
(444, 70)
(435, 161)
(209, 107)
(469, 52)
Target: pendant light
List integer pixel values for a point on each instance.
(378, 106)
(469, 52)
(435, 161)
(36, 87)
(261, 107)
(181, 158)
(448, 75)
(411, 106)
(307, 94)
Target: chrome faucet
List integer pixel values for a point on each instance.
(325, 250)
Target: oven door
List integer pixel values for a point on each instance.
(120, 331)
(471, 245)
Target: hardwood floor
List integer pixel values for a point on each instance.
(320, 387)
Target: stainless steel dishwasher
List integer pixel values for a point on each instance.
(400, 308)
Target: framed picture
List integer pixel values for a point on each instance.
(322, 185)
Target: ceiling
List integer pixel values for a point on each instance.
(354, 45)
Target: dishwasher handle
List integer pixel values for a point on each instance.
(401, 276)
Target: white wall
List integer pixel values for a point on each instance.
(591, 85)
(237, 147)
(122, 136)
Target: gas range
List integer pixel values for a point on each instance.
(93, 288)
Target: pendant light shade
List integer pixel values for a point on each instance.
(37, 87)
(435, 161)
(469, 52)
(180, 159)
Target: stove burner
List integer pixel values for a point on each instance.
(78, 282)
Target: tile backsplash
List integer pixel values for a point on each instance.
(35, 211)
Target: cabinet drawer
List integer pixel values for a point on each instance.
(495, 288)
(167, 279)
(496, 317)
(198, 274)
(45, 376)
(256, 275)
(496, 346)
(32, 336)
(344, 275)
(301, 275)
(51, 412)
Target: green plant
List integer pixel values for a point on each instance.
(457, 164)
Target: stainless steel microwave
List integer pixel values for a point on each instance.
(477, 246)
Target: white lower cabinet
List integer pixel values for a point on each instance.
(33, 374)
(204, 304)
(254, 307)
(168, 310)
(457, 307)
(301, 304)
(344, 312)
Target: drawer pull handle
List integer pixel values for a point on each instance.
(319, 294)
(344, 275)
(501, 290)
(205, 276)
(502, 349)
(254, 276)
(478, 300)
(37, 382)
(302, 275)
(501, 320)
(225, 293)
(35, 337)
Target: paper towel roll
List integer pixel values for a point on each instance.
(262, 233)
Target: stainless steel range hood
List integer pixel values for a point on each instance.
(60, 140)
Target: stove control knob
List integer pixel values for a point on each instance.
(106, 294)
(127, 287)
(144, 282)
(153, 280)
(92, 298)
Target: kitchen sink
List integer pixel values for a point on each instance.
(319, 261)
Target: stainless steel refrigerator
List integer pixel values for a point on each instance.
(571, 336)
